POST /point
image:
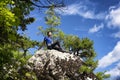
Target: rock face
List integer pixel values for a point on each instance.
(55, 65)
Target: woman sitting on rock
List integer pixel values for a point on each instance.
(50, 44)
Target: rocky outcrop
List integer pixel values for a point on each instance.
(55, 65)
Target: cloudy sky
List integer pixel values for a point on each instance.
(98, 20)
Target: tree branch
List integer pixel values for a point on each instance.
(50, 4)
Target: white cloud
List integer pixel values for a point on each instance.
(111, 57)
(115, 71)
(113, 17)
(116, 35)
(96, 28)
(81, 10)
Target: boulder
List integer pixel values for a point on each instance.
(55, 65)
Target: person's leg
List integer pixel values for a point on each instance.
(57, 46)
(49, 47)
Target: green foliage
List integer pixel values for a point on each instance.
(7, 18)
(84, 68)
(52, 19)
(14, 47)
(44, 31)
(13, 17)
(71, 42)
(21, 10)
(24, 43)
(5, 54)
(14, 70)
(82, 47)
(102, 75)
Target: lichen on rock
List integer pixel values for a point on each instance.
(55, 65)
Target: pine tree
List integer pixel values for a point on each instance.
(11, 17)
(14, 16)
(80, 47)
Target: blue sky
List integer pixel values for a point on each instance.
(98, 20)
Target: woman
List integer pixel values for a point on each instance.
(50, 44)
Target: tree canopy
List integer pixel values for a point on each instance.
(14, 47)
(79, 47)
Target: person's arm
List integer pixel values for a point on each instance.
(43, 44)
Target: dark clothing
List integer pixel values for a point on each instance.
(51, 45)
(55, 46)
